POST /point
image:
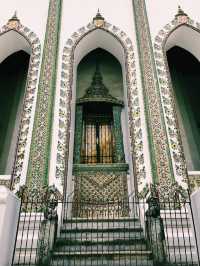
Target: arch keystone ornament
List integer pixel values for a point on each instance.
(167, 94)
(14, 22)
(134, 101)
(98, 20)
(27, 115)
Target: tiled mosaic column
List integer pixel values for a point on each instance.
(41, 139)
(119, 147)
(78, 134)
(158, 143)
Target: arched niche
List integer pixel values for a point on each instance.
(183, 34)
(11, 42)
(13, 77)
(110, 70)
(184, 37)
(18, 41)
(99, 39)
(114, 41)
(184, 68)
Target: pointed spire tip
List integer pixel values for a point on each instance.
(98, 20)
(15, 17)
(180, 12)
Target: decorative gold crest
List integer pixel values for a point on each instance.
(14, 22)
(98, 20)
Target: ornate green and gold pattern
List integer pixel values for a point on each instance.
(158, 142)
(40, 146)
(167, 94)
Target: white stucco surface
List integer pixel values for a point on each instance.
(77, 14)
(195, 199)
(162, 12)
(32, 14)
(9, 213)
(185, 38)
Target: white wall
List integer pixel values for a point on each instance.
(9, 214)
(32, 14)
(195, 199)
(161, 12)
(77, 14)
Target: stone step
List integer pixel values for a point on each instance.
(27, 243)
(29, 226)
(96, 241)
(173, 223)
(101, 247)
(128, 261)
(77, 224)
(106, 253)
(25, 257)
(102, 220)
(101, 236)
(179, 241)
(181, 257)
(175, 213)
(101, 230)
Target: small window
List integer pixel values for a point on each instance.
(97, 138)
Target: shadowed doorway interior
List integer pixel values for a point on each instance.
(13, 75)
(100, 168)
(185, 75)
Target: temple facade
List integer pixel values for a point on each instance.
(100, 105)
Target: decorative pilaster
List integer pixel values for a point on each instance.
(160, 157)
(41, 138)
(119, 147)
(78, 134)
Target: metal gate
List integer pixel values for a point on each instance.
(149, 233)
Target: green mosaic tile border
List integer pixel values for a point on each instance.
(160, 158)
(41, 140)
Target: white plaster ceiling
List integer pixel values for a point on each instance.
(12, 42)
(99, 39)
(186, 38)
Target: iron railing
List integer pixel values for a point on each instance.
(36, 233)
(113, 233)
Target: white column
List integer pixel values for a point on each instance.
(9, 213)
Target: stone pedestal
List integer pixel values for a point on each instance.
(156, 239)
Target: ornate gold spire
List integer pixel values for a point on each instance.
(98, 20)
(97, 92)
(180, 12)
(181, 15)
(14, 17)
(14, 21)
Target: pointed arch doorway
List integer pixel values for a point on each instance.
(99, 164)
(13, 75)
(185, 75)
(117, 43)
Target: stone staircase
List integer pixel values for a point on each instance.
(102, 242)
(179, 237)
(27, 238)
